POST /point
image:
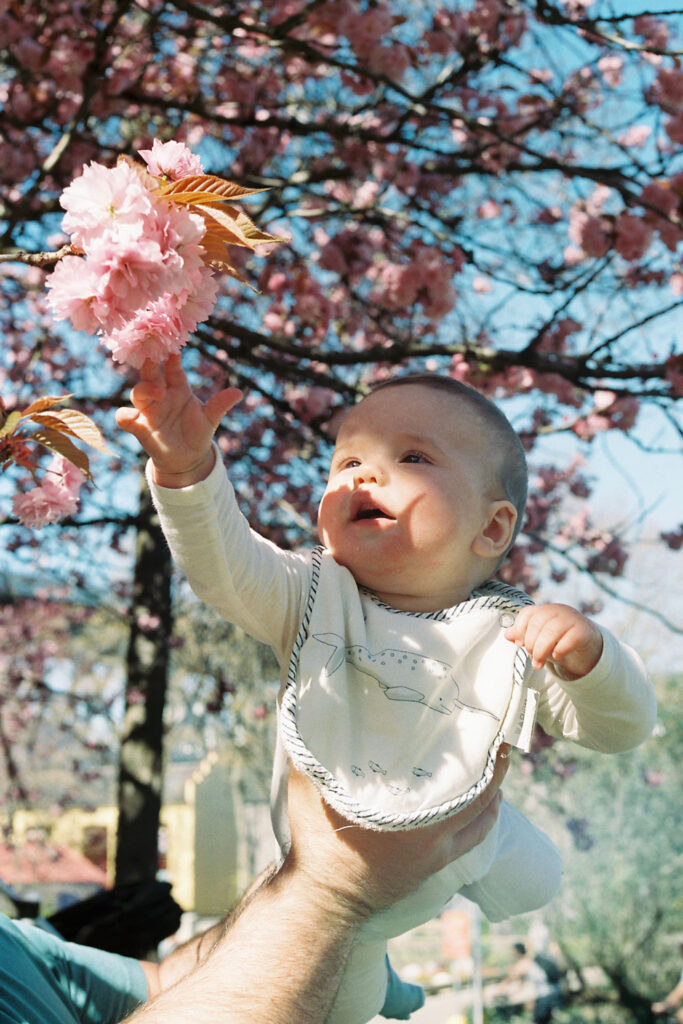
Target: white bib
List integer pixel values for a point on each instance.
(398, 716)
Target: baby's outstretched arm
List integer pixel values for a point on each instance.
(172, 425)
(560, 633)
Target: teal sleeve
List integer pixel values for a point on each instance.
(89, 985)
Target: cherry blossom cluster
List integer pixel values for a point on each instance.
(54, 499)
(594, 231)
(143, 285)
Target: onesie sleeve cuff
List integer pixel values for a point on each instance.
(614, 702)
(195, 495)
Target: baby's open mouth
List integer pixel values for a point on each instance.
(371, 513)
(364, 507)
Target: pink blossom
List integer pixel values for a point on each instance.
(597, 199)
(611, 69)
(364, 30)
(595, 237)
(633, 236)
(676, 283)
(198, 304)
(171, 160)
(440, 298)
(488, 209)
(72, 287)
(28, 53)
(366, 195)
(143, 284)
(591, 233)
(603, 400)
(148, 622)
(588, 426)
(635, 136)
(153, 333)
(400, 286)
(311, 403)
(610, 556)
(163, 326)
(661, 198)
(44, 504)
(68, 476)
(133, 269)
(68, 59)
(573, 255)
(276, 281)
(390, 61)
(660, 202)
(101, 198)
(668, 88)
(653, 30)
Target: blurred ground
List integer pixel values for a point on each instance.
(447, 1007)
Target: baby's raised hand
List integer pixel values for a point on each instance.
(172, 425)
(559, 633)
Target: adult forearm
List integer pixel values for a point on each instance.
(281, 957)
(280, 962)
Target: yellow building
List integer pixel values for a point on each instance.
(212, 841)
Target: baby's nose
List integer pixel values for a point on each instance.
(368, 473)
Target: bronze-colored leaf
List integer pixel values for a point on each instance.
(43, 403)
(254, 234)
(57, 442)
(77, 424)
(224, 225)
(205, 188)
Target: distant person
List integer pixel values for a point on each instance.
(542, 974)
(401, 659)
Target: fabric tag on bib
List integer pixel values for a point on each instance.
(520, 732)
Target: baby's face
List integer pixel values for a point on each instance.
(409, 492)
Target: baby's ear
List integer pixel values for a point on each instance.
(495, 536)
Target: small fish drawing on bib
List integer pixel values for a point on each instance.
(420, 680)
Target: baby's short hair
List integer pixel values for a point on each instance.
(512, 465)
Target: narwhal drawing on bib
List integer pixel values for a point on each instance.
(420, 680)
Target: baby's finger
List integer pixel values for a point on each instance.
(545, 642)
(126, 419)
(152, 372)
(220, 404)
(173, 372)
(534, 630)
(517, 630)
(145, 393)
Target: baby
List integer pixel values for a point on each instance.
(391, 637)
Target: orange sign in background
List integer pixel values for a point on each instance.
(455, 934)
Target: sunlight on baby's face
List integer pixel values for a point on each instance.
(408, 491)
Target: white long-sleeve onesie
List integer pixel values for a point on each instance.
(267, 592)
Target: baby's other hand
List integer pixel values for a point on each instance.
(559, 633)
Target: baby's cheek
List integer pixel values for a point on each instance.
(329, 515)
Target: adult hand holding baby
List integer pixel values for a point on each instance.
(365, 869)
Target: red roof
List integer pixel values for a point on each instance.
(43, 862)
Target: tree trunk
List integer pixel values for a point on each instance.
(141, 758)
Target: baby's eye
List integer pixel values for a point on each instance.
(349, 463)
(415, 457)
